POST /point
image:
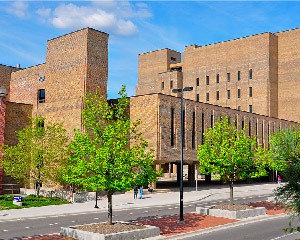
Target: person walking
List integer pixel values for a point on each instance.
(135, 191)
(279, 179)
(141, 192)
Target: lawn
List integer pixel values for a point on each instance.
(6, 201)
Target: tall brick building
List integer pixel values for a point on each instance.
(247, 79)
(259, 73)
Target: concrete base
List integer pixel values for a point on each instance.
(240, 214)
(147, 232)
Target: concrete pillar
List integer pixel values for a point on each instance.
(191, 175)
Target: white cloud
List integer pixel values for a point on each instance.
(113, 17)
(18, 8)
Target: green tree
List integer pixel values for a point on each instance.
(111, 155)
(40, 154)
(231, 154)
(285, 146)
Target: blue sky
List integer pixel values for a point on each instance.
(135, 27)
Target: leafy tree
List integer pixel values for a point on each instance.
(285, 146)
(111, 155)
(39, 155)
(231, 154)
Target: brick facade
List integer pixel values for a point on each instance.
(220, 73)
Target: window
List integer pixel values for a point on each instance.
(193, 130)
(173, 59)
(218, 95)
(197, 98)
(250, 73)
(171, 84)
(41, 95)
(207, 80)
(207, 97)
(250, 91)
(228, 94)
(162, 85)
(250, 108)
(218, 78)
(172, 127)
(239, 75)
(228, 77)
(239, 93)
(239, 108)
(197, 82)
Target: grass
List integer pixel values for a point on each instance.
(6, 201)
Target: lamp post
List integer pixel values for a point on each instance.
(182, 90)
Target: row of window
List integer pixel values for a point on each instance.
(228, 77)
(228, 95)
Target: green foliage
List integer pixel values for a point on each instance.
(285, 147)
(39, 155)
(111, 154)
(6, 201)
(231, 154)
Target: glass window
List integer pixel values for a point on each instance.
(41, 95)
(239, 75)
(250, 73)
(228, 77)
(250, 91)
(207, 97)
(218, 95)
(250, 108)
(218, 78)
(228, 94)
(239, 108)
(197, 82)
(239, 93)
(197, 98)
(207, 80)
(171, 84)
(162, 85)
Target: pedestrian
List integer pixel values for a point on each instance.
(141, 192)
(135, 191)
(150, 188)
(279, 179)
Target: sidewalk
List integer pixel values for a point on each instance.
(159, 198)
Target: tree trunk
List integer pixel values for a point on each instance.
(109, 200)
(231, 193)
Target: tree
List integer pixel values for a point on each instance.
(111, 154)
(285, 146)
(40, 154)
(231, 154)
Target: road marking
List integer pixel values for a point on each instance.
(284, 236)
(170, 208)
(55, 223)
(130, 213)
(5, 230)
(51, 224)
(146, 211)
(27, 227)
(73, 221)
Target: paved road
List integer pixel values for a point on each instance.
(264, 229)
(25, 227)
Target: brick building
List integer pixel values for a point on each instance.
(222, 75)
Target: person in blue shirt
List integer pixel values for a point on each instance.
(141, 192)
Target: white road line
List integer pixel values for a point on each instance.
(130, 213)
(51, 224)
(170, 208)
(27, 227)
(146, 211)
(5, 230)
(284, 236)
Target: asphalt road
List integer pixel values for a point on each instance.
(21, 228)
(267, 229)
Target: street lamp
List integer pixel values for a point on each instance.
(182, 90)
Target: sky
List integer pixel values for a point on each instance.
(135, 27)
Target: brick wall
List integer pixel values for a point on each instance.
(5, 76)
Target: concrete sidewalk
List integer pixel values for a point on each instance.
(157, 198)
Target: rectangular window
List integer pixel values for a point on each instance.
(228, 94)
(162, 85)
(239, 75)
(197, 82)
(207, 80)
(250, 108)
(171, 84)
(172, 128)
(243, 124)
(173, 59)
(239, 93)
(250, 91)
(207, 97)
(193, 130)
(41, 95)
(197, 98)
(218, 95)
(228, 77)
(218, 78)
(239, 108)
(250, 73)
